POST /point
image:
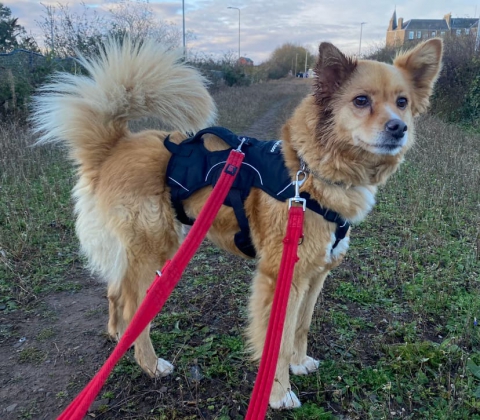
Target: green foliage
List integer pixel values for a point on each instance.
(22, 74)
(223, 71)
(311, 411)
(13, 35)
(235, 76)
(470, 111)
(288, 58)
(475, 371)
(455, 94)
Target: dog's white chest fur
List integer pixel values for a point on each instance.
(367, 197)
(340, 249)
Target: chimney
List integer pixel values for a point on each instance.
(448, 18)
(400, 23)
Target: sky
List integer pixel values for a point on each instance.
(266, 25)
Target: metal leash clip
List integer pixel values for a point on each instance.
(239, 148)
(298, 183)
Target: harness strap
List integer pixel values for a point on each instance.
(180, 212)
(242, 238)
(329, 215)
(226, 135)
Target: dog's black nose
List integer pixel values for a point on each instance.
(396, 128)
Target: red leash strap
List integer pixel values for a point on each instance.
(161, 288)
(268, 364)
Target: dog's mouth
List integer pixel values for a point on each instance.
(384, 146)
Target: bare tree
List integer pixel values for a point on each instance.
(66, 31)
(136, 18)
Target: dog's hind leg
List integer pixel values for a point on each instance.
(125, 301)
(116, 322)
(301, 364)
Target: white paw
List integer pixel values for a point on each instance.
(164, 368)
(289, 400)
(308, 365)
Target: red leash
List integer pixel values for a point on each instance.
(166, 281)
(161, 288)
(268, 364)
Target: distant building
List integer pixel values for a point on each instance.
(245, 61)
(400, 32)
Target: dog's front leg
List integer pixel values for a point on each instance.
(260, 307)
(301, 363)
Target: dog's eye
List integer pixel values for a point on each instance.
(402, 102)
(361, 101)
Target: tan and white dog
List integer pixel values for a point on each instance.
(352, 133)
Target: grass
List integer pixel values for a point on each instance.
(37, 245)
(395, 327)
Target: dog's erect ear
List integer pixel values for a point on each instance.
(423, 64)
(333, 68)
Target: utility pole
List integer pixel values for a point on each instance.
(296, 57)
(306, 59)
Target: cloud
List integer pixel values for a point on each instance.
(267, 25)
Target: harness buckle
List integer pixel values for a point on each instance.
(298, 183)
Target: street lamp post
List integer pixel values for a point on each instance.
(184, 42)
(230, 7)
(360, 45)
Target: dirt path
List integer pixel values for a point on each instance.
(50, 349)
(49, 352)
(266, 127)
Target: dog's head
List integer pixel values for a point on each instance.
(372, 104)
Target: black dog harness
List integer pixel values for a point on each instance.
(192, 167)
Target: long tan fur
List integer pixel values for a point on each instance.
(125, 222)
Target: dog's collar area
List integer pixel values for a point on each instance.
(304, 167)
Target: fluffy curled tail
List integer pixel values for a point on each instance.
(127, 80)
